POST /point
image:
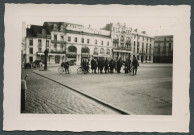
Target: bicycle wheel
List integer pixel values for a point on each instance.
(60, 70)
(79, 70)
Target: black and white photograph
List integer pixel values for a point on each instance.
(100, 60)
(70, 68)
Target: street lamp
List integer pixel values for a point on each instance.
(46, 53)
(137, 48)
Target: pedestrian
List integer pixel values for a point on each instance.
(106, 65)
(129, 62)
(111, 65)
(66, 66)
(126, 67)
(98, 64)
(87, 65)
(119, 65)
(101, 65)
(93, 64)
(135, 64)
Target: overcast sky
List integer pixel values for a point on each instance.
(154, 20)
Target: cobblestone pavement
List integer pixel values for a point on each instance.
(147, 93)
(45, 96)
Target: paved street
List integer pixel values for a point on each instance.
(45, 96)
(148, 93)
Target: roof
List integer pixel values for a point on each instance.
(163, 36)
(34, 30)
(51, 24)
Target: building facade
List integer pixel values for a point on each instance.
(121, 39)
(66, 42)
(142, 46)
(163, 49)
(36, 41)
(128, 42)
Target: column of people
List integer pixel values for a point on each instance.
(111, 66)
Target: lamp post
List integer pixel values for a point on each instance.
(137, 48)
(46, 53)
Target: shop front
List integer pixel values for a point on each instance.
(71, 54)
(85, 54)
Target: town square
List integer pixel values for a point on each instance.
(69, 68)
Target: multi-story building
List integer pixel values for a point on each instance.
(163, 49)
(37, 37)
(67, 42)
(128, 42)
(121, 38)
(142, 46)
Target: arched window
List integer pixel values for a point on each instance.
(72, 49)
(101, 51)
(95, 51)
(85, 50)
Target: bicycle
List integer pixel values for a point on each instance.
(82, 70)
(62, 70)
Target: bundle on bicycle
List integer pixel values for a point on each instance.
(64, 68)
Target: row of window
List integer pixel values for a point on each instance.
(142, 45)
(169, 45)
(87, 41)
(147, 58)
(39, 42)
(82, 40)
(138, 50)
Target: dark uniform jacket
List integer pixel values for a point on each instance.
(135, 63)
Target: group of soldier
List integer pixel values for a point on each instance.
(114, 65)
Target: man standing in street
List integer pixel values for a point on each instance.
(101, 65)
(111, 65)
(119, 65)
(98, 64)
(135, 64)
(106, 65)
(92, 64)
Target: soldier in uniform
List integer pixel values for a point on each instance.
(106, 65)
(119, 65)
(98, 64)
(111, 65)
(135, 64)
(101, 65)
(93, 65)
